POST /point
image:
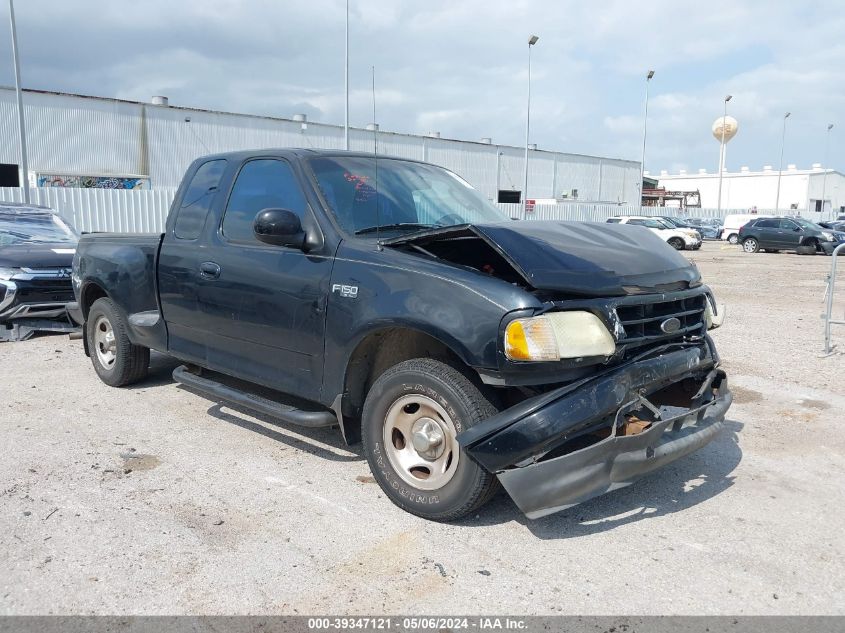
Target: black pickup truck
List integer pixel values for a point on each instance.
(388, 298)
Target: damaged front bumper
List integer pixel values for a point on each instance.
(564, 447)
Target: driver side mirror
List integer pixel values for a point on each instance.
(279, 227)
(797, 229)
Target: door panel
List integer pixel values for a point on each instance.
(264, 312)
(789, 237)
(179, 262)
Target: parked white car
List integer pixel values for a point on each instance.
(677, 238)
(733, 223)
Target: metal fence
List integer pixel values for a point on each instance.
(589, 212)
(145, 211)
(116, 210)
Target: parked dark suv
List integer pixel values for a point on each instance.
(36, 254)
(788, 234)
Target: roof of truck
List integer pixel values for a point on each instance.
(299, 152)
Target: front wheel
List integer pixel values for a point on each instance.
(411, 419)
(733, 238)
(677, 243)
(116, 360)
(750, 245)
(809, 248)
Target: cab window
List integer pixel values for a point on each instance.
(196, 202)
(266, 183)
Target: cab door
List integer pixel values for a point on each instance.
(183, 250)
(264, 306)
(790, 234)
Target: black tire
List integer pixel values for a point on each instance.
(810, 247)
(676, 242)
(426, 381)
(119, 363)
(750, 245)
(733, 238)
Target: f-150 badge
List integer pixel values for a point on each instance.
(349, 292)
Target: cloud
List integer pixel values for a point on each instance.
(460, 67)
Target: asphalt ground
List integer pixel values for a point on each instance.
(155, 500)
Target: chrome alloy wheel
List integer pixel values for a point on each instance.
(104, 342)
(420, 442)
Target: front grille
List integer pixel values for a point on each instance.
(641, 317)
(45, 291)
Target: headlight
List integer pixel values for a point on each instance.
(714, 315)
(828, 236)
(7, 293)
(558, 335)
(8, 273)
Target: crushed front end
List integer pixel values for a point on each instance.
(660, 397)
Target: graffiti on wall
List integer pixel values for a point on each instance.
(92, 182)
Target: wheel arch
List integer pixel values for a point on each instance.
(378, 350)
(90, 292)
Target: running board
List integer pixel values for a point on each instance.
(312, 419)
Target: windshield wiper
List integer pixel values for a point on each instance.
(400, 225)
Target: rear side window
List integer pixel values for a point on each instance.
(261, 184)
(766, 224)
(197, 200)
(613, 220)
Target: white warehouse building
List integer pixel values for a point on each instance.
(82, 141)
(801, 190)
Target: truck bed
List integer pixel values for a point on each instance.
(123, 266)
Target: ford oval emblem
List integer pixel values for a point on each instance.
(670, 325)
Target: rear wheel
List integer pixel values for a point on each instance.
(733, 238)
(750, 245)
(116, 360)
(676, 242)
(411, 419)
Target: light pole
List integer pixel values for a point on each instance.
(780, 168)
(18, 91)
(645, 133)
(531, 41)
(722, 153)
(826, 152)
(346, 83)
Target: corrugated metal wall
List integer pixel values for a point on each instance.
(145, 211)
(112, 210)
(69, 134)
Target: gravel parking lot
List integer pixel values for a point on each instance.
(154, 500)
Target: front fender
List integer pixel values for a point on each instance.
(459, 308)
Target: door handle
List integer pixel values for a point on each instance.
(209, 270)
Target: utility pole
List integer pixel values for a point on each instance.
(21, 125)
(531, 41)
(722, 153)
(346, 82)
(780, 169)
(645, 133)
(826, 153)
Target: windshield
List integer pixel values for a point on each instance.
(664, 224)
(34, 228)
(650, 223)
(399, 196)
(805, 223)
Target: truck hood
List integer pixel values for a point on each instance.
(572, 257)
(58, 255)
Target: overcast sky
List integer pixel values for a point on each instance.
(459, 67)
